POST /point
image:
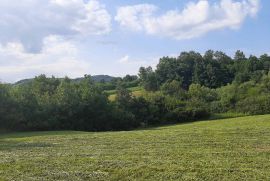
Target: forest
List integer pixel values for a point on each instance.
(180, 89)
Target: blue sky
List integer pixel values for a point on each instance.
(116, 37)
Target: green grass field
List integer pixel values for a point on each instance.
(135, 91)
(227, 149)
(132, 89)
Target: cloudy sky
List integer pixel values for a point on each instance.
(116, 37)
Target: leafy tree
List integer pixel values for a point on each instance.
(174, 89)
(148, 79)
(183, 88)
(123, 97)
(239, 56)
(7, 108)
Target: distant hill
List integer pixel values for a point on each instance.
(96, 78)
(24, 81)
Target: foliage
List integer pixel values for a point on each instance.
(148, 79)
(181, 89)
(213, 70)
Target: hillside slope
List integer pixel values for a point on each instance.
(96, 78)
(228, 149)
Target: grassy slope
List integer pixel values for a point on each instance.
(136, 91)
(228, 149)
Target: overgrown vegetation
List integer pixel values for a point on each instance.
(187, 88)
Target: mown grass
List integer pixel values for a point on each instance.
(227, 149)
(132, 89)
(135, 91)
(226, 115)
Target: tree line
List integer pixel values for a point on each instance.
(186, 88)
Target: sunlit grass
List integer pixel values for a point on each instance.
(227, 149)
(136, 91)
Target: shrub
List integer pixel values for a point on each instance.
(254, 105)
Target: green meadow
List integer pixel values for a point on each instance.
(135, 91)
(225, 149)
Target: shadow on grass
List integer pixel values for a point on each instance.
(37, 133)
(17, 145)
(214, 117)
(228, 116)
(161, 126)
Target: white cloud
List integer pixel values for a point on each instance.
(130, 65)
(58, 57)
(30, 21)
(124, 59)
(131, 16)
(138, 62)
(97, 20)
(194, 20)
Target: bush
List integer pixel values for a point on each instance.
(254, 105)
(122, 120)
(180, 115)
